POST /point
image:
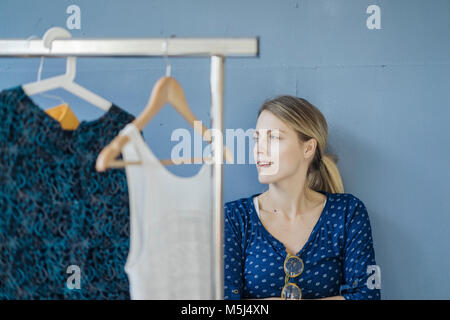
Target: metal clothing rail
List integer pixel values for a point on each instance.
(131, 47)
(215, 48)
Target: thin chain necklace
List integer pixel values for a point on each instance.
(274, 210)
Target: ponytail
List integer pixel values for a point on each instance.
(324, 175)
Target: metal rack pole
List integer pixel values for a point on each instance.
(217, 89)
(130, 47)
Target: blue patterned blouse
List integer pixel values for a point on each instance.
(56, 210)
(336, 256)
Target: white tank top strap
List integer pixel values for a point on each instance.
(129, 130)
(131, 151)
(255, 203)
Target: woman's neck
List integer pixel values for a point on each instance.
(291, 201)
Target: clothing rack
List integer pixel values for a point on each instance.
(215, 48)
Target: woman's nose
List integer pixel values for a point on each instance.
(262, 146)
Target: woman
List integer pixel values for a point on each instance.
(303, 237)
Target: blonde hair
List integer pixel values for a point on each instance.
(308, 122)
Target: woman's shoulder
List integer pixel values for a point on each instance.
(240, 208)
(243, 202)
(347, 206)
(344, 200)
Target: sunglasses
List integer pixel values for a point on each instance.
(293, 267)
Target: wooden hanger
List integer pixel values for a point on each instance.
(64, 115)
(166, 90)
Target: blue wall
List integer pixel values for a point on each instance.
(385, 94)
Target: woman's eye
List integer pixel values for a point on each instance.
(274, 137)
(255, 138)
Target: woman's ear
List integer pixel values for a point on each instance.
(309, 148)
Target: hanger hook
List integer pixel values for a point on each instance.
(42, 58)
(60, 33)
(166, 50)
(29, 39)
(54, 33)
(47, 39)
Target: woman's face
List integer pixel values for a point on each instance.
(278, 152)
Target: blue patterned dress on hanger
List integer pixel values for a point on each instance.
(60, 220)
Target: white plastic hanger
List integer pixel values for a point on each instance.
(64, 81)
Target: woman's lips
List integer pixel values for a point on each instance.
(264, 164)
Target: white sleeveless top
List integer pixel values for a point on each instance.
(256, 204)
(171, 247)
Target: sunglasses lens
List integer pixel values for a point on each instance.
(293, 266)
(291, 292)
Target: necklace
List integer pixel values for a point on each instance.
(274, 210)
